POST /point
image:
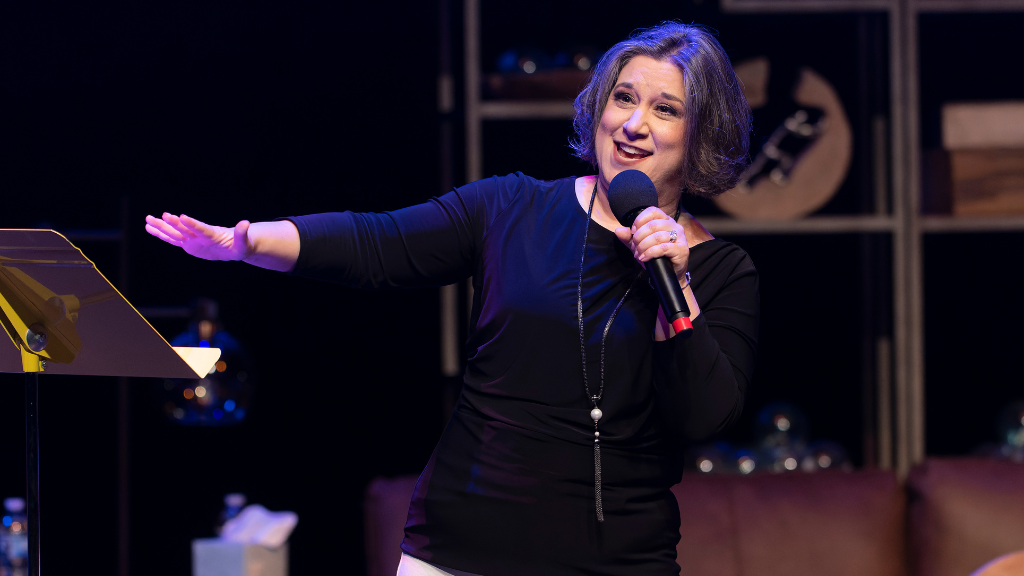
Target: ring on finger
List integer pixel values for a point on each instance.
(672, 236)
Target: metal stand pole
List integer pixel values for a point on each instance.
(32, 469)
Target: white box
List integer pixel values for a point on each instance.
(215, 557)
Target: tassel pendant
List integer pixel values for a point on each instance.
(597, 480)
(596, 415)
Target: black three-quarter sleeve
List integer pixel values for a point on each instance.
(430, 244)
(700, 382)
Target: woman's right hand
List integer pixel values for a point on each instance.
(202, 240)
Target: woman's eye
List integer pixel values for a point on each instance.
(666, 109)
(625, 97)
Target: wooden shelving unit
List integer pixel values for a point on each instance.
(901, 424)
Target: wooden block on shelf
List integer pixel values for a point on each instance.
(987, 182)
(983, 125)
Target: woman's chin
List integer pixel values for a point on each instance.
(615, 168)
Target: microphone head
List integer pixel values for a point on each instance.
(630, 192)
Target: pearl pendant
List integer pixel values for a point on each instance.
(596, 414)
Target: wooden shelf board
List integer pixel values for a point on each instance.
(525, 110)
(811, 225)
(967, 5)
(806, 5)
(972, 223)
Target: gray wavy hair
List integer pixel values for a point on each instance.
(716, 113)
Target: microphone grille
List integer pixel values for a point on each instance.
(629, 193)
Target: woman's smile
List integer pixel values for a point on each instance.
(627, 152)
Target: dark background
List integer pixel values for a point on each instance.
(256, 110)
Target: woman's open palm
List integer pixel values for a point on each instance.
(200, 239)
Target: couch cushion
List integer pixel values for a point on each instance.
(963, 513)
(841, 524)
(708, 544)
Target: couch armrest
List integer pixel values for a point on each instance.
(385, 509)
(963, 513)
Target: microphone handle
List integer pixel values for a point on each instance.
(666, 285)
(670, 295)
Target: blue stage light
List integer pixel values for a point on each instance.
(219, 399)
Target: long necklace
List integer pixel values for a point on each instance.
(595, 399)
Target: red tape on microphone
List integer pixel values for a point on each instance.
(682, 324)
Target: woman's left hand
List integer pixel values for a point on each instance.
(651, 237)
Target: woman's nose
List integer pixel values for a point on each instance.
(636, 126)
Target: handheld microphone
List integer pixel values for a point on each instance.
(630, 193)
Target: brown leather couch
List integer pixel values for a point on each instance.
(951, 517)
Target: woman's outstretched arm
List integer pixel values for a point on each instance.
(270, 245)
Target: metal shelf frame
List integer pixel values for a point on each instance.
(900, 427)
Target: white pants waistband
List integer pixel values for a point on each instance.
(415, 567)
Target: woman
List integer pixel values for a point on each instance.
(577, 397)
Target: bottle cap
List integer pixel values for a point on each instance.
(14, 505)
(235, 500)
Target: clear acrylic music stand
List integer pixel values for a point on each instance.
(62, 316)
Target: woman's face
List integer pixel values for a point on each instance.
(642, 126)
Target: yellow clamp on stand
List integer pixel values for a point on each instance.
(39, 322)
(31, 362)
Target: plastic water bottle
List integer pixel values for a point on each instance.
(14, 539)
(233, 504)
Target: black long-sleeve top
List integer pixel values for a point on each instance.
(509, 489)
